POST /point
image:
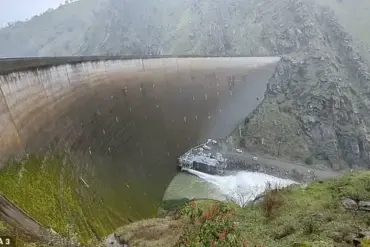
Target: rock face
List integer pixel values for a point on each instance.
(321, 86)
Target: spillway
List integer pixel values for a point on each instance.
(129, 118)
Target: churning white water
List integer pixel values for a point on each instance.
(242, 187)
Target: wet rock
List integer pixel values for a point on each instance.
(349, 204)
(364, 205)
(113, 241)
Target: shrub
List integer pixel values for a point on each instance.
(311, 225)
(209, 227)
(308, 160)
(271, 201)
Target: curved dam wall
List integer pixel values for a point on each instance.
(128, 118)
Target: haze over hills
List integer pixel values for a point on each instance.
(155, 26)
(218, 27)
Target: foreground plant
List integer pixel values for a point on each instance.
(212, 227)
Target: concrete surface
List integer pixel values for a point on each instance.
(134, 117)
(23, 222)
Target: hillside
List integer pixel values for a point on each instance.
(317, 102)
(135, 27)
(55, 32)
(321, 214)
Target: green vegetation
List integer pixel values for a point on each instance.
(22, 240)
(209, 226)
(48, 189)
(273, 131)
(311, 216)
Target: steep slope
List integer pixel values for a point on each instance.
(56, 32)
(156, 27)
(354, 18)
(321, 214)
(317, 103)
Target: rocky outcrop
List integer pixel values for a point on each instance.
(321, 84)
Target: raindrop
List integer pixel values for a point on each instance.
(218, 93)
(168, 153)
(205, 96)
(220, 110)
(196, 117)
(111, 97)
(109, 149)
(173, 121)
(104, 131)
(231, 93)
(177, 145)
(217, 85)
(153, 85)
(98, 112)
(193, 98)
(180, 89)
(157, 106)
(209, 117)
(127, 185)
(185, 119)
(130, 109)
(117, 119)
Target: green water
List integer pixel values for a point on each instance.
(185, 185)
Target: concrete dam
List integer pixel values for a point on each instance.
(126, 118)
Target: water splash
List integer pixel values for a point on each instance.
(242, 187)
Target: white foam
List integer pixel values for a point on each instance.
(242, 187)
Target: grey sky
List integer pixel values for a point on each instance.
(18, 10)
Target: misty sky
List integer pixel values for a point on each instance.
(18, 10)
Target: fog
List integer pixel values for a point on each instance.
(23, 9)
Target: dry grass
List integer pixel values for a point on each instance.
(160, 232)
